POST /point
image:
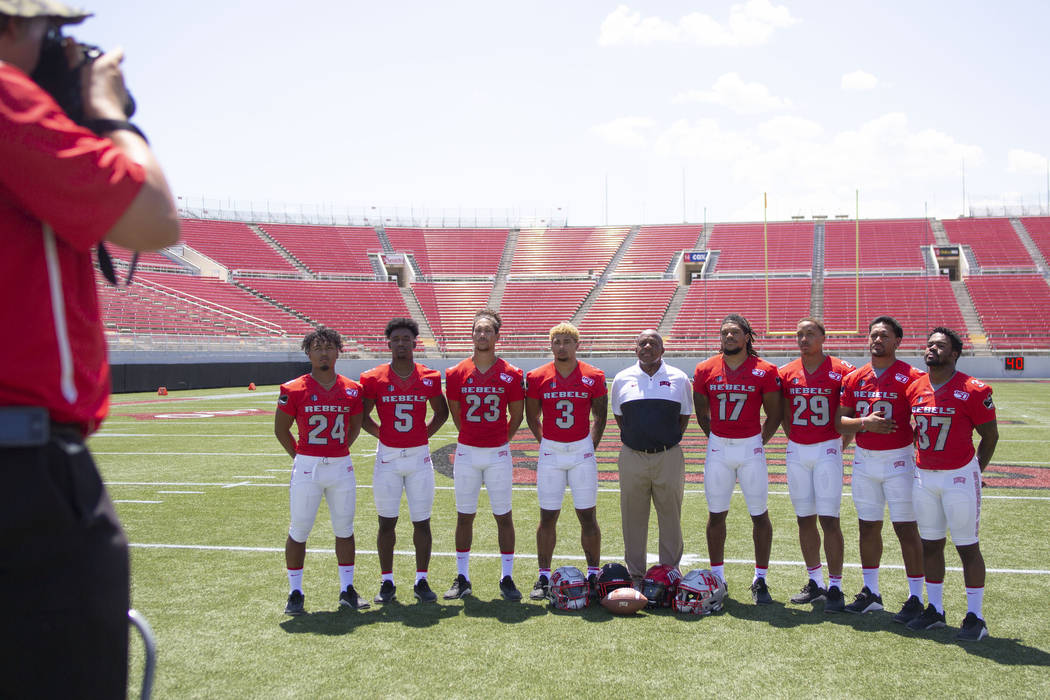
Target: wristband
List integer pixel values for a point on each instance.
(102, 126)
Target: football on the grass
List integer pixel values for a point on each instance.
(624, 601)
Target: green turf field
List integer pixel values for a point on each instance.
(201, 486)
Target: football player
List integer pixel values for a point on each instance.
(560, 398)
(811, 387)
(486, 398)
(730, 391)
(326, 408)
(400, 391)
(948, 406)
(875, 408)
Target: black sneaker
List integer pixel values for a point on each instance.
(930, 619)
(810, 593)
(760, 592)
(973, 629)
(834, 601)
(460, 587)
(508, 590)
(387, 593)
(911, 610)
(540, 590)
(350, 599)
(295, 604)
(592, 587)
(423, 592)
(865, 601)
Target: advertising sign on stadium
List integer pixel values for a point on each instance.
(393, 258)
(696, 256)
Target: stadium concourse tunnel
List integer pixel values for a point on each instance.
(202, 375)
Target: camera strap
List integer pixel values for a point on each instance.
(105, 265)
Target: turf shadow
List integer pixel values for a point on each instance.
(345, 621)
(506, 611)
(777, 614)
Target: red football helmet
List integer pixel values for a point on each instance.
(660, 585)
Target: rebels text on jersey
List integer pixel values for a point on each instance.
(401, 404)
(321, 415)
(866, 393)
(735, 396)
(945, 419)
(483, 400)
(813, 399)
(566, 401)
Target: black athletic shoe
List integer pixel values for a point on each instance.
(540, 590)
(460, 587)
(911, 610)
(810, 593)
(930, 619)
(295, 604)
(865, 601)
(387, 593)
(508, 590)
(760, 592)
(973, 629)
(423, 592)
(592, 587)
(350, 599)
(834, 601)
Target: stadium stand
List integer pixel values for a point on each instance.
(918, 304)
(741, 246)
(1038, 228)
(993, 241)
(622, 310)
(449, 309)
(451, 251)
(565, 251)
(885, 245)
(328, 249)
(358, 309)
(234, 245)
(708, 301)
(1012, 309)
(147, 261)
(531, 308)
(654, 247)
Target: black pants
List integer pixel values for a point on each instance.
(64, 586)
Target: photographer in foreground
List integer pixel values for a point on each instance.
(64, 188)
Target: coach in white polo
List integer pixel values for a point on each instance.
(651, 402)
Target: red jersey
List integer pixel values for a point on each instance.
(945, 419)
(566, 401)
(735, 396)
(813, 399)
(79, 184)
(866, 393)
(322, 416)
(483, 400)
(401, 404)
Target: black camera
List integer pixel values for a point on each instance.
(55, 76)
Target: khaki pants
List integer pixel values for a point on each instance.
(659, 478)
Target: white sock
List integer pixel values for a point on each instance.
(719, 570)
(594, 571)
(507, 559)
(760, 573)
(386, 576)
(346, 576)
(975, 601)
(834, 582)
(935, 594)
(915, 586)
(295, 580)
(421, 575)
(871, 580)
(816, 575)
(546, 572)
(463, 563)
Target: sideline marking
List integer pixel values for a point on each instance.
(130, 501)
(525, 555)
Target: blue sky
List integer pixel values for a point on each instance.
(535, 106)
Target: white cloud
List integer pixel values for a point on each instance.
(625, 131)
(749, 24)
(859, 81)
(1025, 162)
(704, 139)
(787, 129)
(731, 91)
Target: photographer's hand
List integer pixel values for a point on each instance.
(102, 85)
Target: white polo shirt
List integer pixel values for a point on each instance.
(650, 406)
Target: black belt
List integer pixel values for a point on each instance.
(31, 426)
(657, 450)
